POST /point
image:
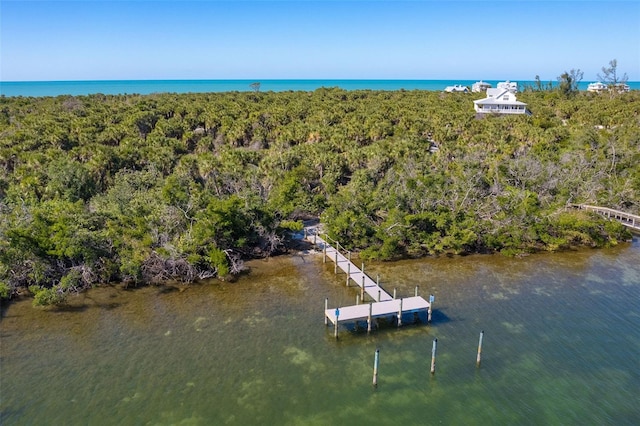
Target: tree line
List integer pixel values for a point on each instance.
(145, 189)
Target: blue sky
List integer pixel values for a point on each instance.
(491, 40)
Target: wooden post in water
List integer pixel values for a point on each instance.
(375, 367)
(378, 280)
(416, 294)
(400, 314)
(326, 306)
(362, 289)
(479, 349)
(335, 266)
(379, 295)
(433, 356)
(394, 293)
(431, 300)
(335, 328)
(369, 317)
(357, 299)
(348, 272)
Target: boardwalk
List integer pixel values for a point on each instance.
(627, 219)
(383, 304)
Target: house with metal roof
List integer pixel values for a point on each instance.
(480, 86)
(500, 101)
(511, 86)
(457, 88)
(597, 87)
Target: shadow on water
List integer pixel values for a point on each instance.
(69, 308)
(438, 316)
(94, 303)
(389, 323)
(4, 308)
(168, 290)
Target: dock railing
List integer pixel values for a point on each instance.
(627, 219)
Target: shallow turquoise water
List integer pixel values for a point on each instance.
(114, 87)
(561, 346)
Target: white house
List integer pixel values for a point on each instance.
(511, 86)
(597, 87)
(500, 101)
(622, 88)
(480, 86)
(459, 88)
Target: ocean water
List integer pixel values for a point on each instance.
(115, 87)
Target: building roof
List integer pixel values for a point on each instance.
(511, 85)
(497, 101)
(456, 88)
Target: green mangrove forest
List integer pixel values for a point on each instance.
(144, 189)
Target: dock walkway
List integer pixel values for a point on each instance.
(627, 219)
(383, 304)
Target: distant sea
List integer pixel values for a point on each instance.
(116, 87)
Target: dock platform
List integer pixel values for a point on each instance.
(372, 310)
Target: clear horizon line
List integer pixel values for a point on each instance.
(291, 79)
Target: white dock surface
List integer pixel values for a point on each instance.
(379, 309)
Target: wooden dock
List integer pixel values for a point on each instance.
(629, 220)
(383, 304)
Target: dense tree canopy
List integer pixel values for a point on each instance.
(143, 189)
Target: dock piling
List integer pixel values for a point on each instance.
(369, 317)
(431, 300)
(400, 314)
(335, 328)
(479, 349)
(375, 367)
(433, 356)
(348, 273)
(416, 293)
(326, 306)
